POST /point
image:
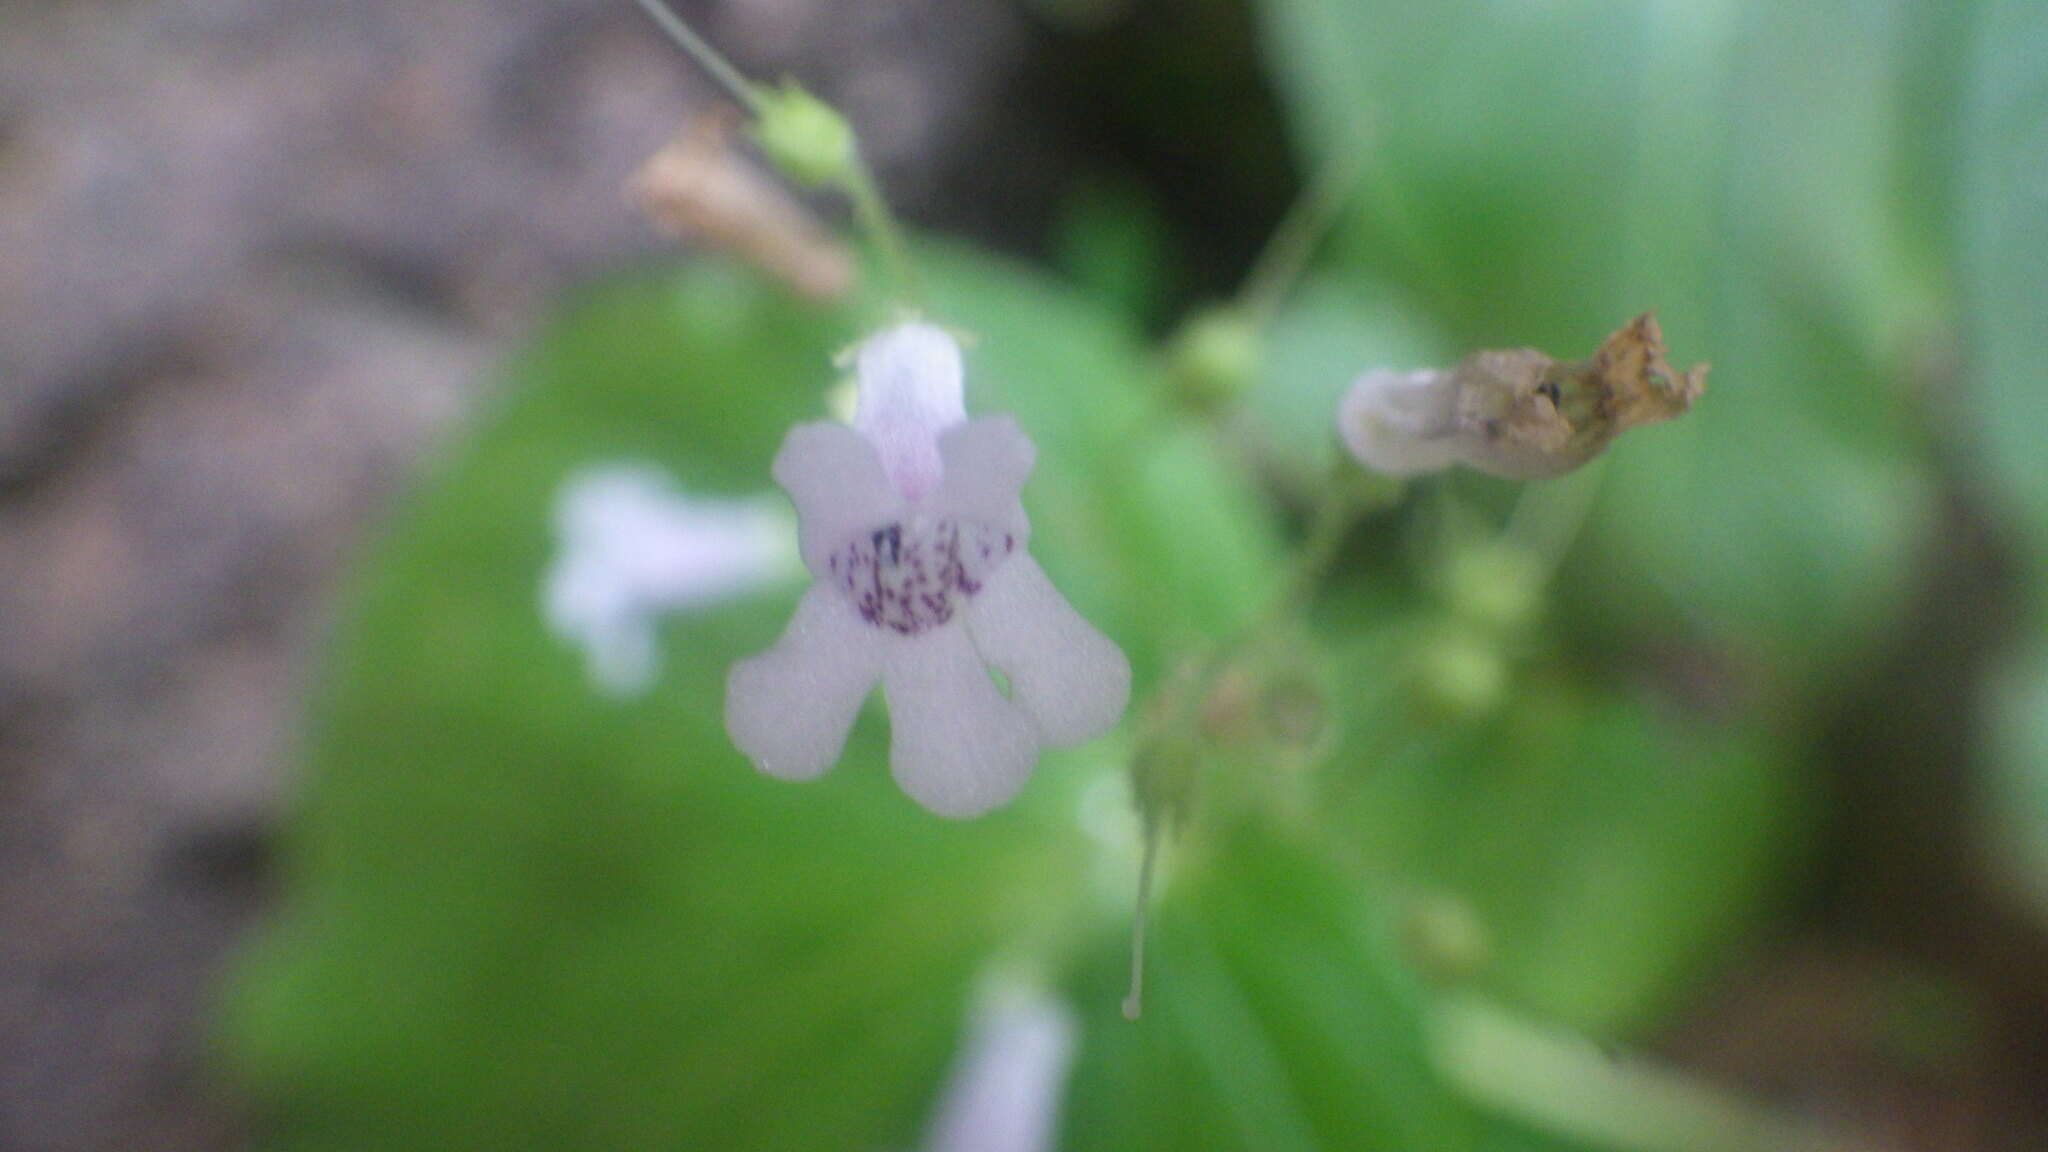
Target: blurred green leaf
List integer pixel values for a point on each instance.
(1941, 49)
(1277, 1013)
(1109, 238)
(2015, 804)
(1604, 851)
(1537, 174)
(2005, 255)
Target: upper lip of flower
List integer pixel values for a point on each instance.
(910, 395)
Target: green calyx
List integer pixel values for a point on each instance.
(1215, 357)
(805, 138)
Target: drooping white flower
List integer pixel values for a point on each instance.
(631, 548)
(910, 523)
(1004, 1091)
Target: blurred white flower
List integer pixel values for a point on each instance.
(910, 524)
(1004, 1091)
(630, 547)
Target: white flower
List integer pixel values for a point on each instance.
(910, 524)
(1402, 423)
(1005, 1088)
(630, 548)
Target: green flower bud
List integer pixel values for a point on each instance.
(1460, 674)
(1494, 586)
(1215, 356)
(805, 138)
(1444, 937)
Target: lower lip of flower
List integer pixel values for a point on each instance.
(908, 576)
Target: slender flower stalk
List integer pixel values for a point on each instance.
(707, 57)
(871, 209)
(809, 142)
(1134, 1000)
(1217, 354)
(1546, 518)
(1293, 244)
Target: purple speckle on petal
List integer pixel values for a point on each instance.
(885, 574)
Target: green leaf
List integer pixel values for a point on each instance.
(1277, 1015)
(1604, 852)
(2005, 256)
(520, 915)
(1110, 240)
(2015, 805)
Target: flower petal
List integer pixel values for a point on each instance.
(1004, 1091)
(910, 392)
(986, 464)
(1069, 678)
(631, 547)
(956, 746)
(836, 481)
(1401, 423)
(789, 708)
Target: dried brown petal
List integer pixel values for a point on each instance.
(701, 188)
(1523, 415)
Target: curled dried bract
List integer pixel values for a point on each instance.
(701, 188)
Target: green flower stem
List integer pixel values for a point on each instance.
(1335, 515)
(871, 212)
(1178, 703)
(809, 142)
(707, 57)
(1548, 516)
(1344, 503)
(1294, 241)
(1134, 1002)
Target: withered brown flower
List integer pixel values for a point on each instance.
(1517, 412)
(700, 187)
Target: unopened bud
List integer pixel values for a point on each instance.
(805, 138)
(1494, 586)
(1460, 674)
(1215, 356)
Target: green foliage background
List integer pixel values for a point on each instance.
(521, 915)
